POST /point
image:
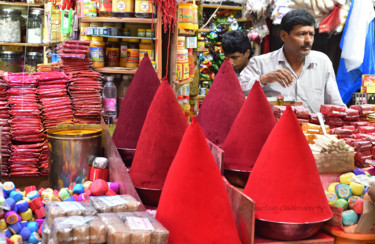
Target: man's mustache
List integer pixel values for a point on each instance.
(306, 46)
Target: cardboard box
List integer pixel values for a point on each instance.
(368, 84)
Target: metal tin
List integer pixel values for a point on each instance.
(72, 150)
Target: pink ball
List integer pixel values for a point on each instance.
(99, 187)
(358, 206)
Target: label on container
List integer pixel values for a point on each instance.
(179, 71)
(143, 6)
(97, 54)
(137, 223)
(132, 55)
(123, 51)
(70, 206)
(113, 200)
(142, 52)
(112, 56)
(109, 104)
(124, 6)
(185, 71)
(105, 6)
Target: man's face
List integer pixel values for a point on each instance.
(239, 60)
(300, 39)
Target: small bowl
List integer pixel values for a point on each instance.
(149, 197)
(127, 155)
(287, 231)
(237, 177)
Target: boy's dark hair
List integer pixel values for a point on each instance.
(296, 17)
(235, 41)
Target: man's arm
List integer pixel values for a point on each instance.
(332, 94)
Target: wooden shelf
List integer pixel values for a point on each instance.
(222, 6)
(116, 70)
(22, 4)
(184, 32)
(24, 44)
(204, 30)
(202, 49)
(243, 20)
(122, 20)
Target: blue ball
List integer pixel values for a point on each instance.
(8, 187)
(17, 196)
(78, 189)
(11, 203)
(33, 226)
(349, 217)
(70, 199)
(24, 224)
(22, 206)
(34, 238)
(8, 233)
(358, 171)
(33, 194)
(25, 233)
(365, 190)
(15, 228)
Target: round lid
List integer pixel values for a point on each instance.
(133, 40)
(8, 11)
(97, 38)
(110, 39)
(34, 54)
(36, 11)
(10, 53)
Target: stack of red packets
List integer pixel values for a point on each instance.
(303, 114)
(6, 136)
(26, 125)
(85, 86)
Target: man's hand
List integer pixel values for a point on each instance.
(283, 76)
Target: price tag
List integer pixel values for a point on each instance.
(70, 206)
(136, 223)
(113, 201)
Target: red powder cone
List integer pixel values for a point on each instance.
(136, 103)
(249, 131)
(161, 135)
(221, 104)
(285, 182)
(194, 205)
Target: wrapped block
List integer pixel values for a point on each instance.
(366, 129)
(313, 129)
(351, 114)
(119, 203)
(334, 121)
(362, 146)
(63, 209)
(364, 109)
(333, 110)
(334, 162)
(302, 112)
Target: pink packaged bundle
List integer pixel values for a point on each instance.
(366, 129)
(351, 114)
(334, 121)
(364, 109)
(314, 119)
(45, 76)
(362, 146)
(333, 110)
(302, 112)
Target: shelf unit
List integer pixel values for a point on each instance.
(25, 44)
(222, 6)
(22, 4)
(158, 41)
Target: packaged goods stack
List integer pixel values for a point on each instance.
(26, 125)
(6, 136)
(85, 85)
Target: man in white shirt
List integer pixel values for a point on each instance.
(295, 71)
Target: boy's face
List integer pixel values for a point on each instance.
(239, 60)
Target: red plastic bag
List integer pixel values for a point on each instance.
(329, 23)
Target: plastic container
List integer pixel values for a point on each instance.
(32, 61)
(112, 52)
(132, 57)
(191, 61)
(97, 50)
(123, 8)
(123, 52)
(146, 47)
(141, 32)
(11, 61)
(10, 25)
(180, 42)
(35, 26)
(110, 98)
(342, 237)
(71, 150)
(144, 9)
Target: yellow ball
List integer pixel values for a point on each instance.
(345, 178)
(27, 215)
(3, 224)
(357, 189)
(17, 239)
(87, 185)
(332, 187)
(26, 199)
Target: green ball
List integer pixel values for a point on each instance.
(341, 203)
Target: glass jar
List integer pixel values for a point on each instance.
(132, 57)
(97, 51)
(123, 52)
(123, 8)
(10, 25)
(144, 9)
(112, 52)
(146, 47)
(11, 61)
(35, 26)
(32, 61)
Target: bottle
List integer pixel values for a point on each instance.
(110, 98)
(123, 8)
(132, 56)
(191, 63)
(186, 108)
(122, 90)
(144, 9)
(123, 52)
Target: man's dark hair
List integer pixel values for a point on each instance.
(296, 17)
(235, 41)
